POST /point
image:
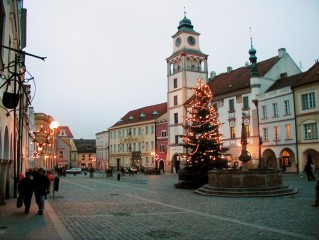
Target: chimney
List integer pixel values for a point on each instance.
(281, 52)
(229, 69)
(246, 64)
(212, 74)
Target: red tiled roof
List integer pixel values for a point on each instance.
(285, 82)
(239, 78)
(311, 76)
(143, 114)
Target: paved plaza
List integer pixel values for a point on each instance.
(150, 207)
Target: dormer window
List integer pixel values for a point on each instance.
(155, 113)
(142, 115)
(131, 118)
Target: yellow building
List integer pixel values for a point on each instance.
(132, 140)
(43, 142)
(306, 95)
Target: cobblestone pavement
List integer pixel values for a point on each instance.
(150, 207)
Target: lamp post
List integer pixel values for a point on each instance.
(53, 126)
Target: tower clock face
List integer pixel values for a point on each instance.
(191, 40)
(178, 42)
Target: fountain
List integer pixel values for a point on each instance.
(245, 182)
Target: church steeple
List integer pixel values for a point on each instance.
(253, 59)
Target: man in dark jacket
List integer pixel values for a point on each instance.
(26, 188)
(41, 188)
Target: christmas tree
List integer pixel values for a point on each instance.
(202, 138)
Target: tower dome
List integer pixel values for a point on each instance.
(185, 24)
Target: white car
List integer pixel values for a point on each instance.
(74, 170)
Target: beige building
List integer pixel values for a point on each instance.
(306, 95)
(43, 142)
(13, 111)
(132, 139)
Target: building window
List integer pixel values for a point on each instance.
(164, 133)
(83, 157)
(231, 105)
(175, 100)
(265, 134)
(232, 132)
(134, 131)
(245, 102)
(134, 147)
(175, 117)
(139, 131)
(308, 101)
(287, 107)
(152, 129)
(277, 133)
(275, 109)
(310, 131)
(139, 146)
(90, 156)
(176, 139)
(288, 131)
(175, 82)
(247, 128)
(146, 160)
(146, 129)
(152, 145)
(162, 148)
(264, 111)
(61, 154)
(146, 146)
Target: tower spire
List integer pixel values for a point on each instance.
(252, 58)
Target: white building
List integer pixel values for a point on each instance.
(236, 100)
(102, 150)
(184, 67)
(277, 125)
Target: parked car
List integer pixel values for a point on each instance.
(74, 170)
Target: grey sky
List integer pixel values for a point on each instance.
(107, 57)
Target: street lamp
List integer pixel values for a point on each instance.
(53, 126)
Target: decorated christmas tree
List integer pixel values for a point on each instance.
(202, 138)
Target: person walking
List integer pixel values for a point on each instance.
(25, 189)
(41, 188)
(309, 172)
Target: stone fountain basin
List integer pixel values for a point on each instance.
(252, 178)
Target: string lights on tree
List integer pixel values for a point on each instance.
(202, 137)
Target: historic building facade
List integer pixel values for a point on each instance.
(184, 67)
(102, 150)
(306, 95)
(236, 100)
(13, 119)
(132, 139)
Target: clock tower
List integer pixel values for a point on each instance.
(184, 67)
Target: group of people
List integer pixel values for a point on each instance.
(36, 181)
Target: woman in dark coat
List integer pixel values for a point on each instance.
(26, 187)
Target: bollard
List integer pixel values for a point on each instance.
(317, 195)
(118, 177)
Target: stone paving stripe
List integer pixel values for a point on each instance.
(225, 219)
(106, 183)
(61, 230)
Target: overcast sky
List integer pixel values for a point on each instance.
(107, 57)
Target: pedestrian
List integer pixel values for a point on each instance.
(51, 178)
(129, 171)
(20, 176)
(308, 170)
(41, 188)
(122, 171)
(25, 189)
